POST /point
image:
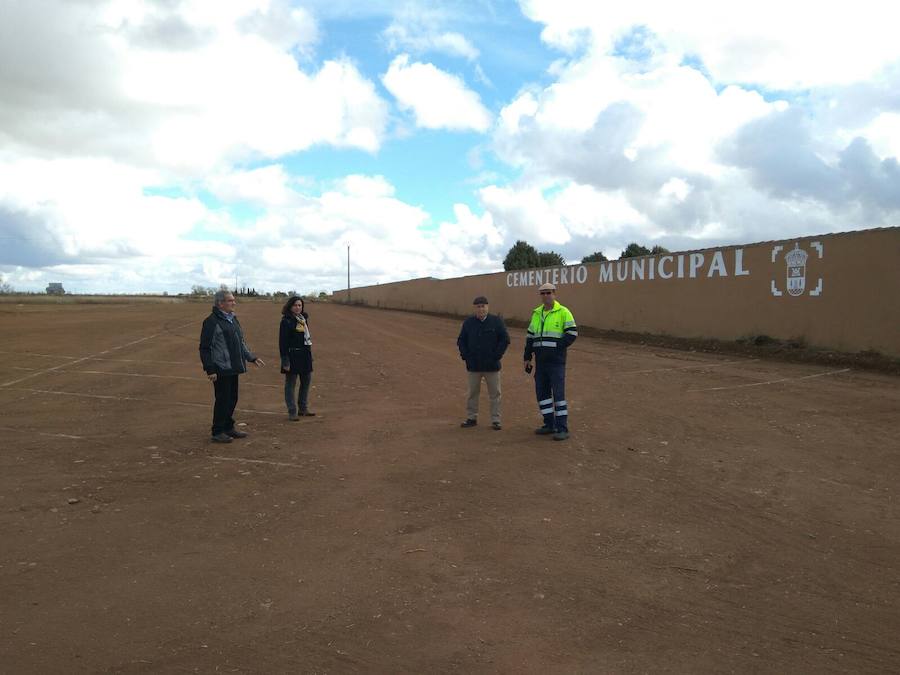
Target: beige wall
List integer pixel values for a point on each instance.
(845, 294)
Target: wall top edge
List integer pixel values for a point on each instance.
(725, 247)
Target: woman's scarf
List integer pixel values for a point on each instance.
(307, 338)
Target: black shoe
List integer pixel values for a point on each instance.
(543, 431)
(221, 438)
(496, 426)
(561, 436)
(293, 417)
(234, 433)
(469, 423)
(307, 413)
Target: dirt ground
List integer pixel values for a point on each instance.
(711, 513)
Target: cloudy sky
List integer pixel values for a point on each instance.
(151, 145)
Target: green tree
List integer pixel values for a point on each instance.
(521, 256)
(550, 259)
(5, 288)
(659, 250)
(597, 256)
(633, 250)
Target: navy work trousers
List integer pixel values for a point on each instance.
(550, 387)
(226, 388)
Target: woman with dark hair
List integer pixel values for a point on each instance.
(295, 346)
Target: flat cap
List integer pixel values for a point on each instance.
(480, 300)
(547, 287)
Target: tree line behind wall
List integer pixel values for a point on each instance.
(523, 256)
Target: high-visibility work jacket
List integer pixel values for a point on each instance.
(550, 334)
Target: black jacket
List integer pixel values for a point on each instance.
(222, 347)
(483, 343)
(292, 345)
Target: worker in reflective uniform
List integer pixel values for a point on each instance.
(551, 332)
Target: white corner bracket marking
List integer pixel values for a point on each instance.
(775, 290)
(818, 246)
(818, 289)
(775, 250)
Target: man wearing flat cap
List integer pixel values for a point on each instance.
(482, 342)
(551, 332)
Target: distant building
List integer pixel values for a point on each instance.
(55, 289)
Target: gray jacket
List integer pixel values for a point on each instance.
(222, 347)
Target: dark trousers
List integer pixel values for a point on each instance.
(290, 381)
(550, 387)
(226, 387)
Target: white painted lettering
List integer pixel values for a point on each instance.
(696, 263)
(581, 274)
(717, 266)
(555, 275)
(509, 282)
(681, 267)
(662, 261)
(637, 271)
(564, 275)
(622, 270)
(739, 270)
(651, 268)
(531, 277)
(606, 272)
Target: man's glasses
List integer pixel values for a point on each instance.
(546, 292)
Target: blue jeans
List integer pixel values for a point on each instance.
(550, 387)
(290, 380)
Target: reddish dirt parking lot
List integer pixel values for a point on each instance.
(710, 513)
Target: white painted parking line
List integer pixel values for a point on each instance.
(162, 377)
(40, 433)
(49, 356)
(85, 358)
(783, 379)
(96, 358)
(709, 364)
(135, 398)
(255, 461)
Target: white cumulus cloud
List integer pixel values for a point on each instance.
(421, 29)
(437, 99)
(779, 45)
(181, 85)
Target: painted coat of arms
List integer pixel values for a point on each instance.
(796, 260)
(796, 270)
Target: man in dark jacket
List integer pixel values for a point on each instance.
(224, 355)
(482, 342)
